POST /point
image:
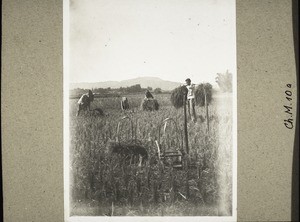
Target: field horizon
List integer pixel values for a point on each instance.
(146, 81)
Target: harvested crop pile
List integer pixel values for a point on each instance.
(128, 149)
(149, 105)
(98, 112)
(200, 94)
(177, 96)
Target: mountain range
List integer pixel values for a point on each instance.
(145, 82)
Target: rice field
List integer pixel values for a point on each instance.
(101, 184)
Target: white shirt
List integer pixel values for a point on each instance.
(191, 91)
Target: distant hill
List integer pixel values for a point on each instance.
(153, 82)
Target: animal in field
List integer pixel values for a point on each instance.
(84, 102)
(124, 103)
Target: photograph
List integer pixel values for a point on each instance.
(150, 119)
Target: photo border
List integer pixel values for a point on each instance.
(66, 145)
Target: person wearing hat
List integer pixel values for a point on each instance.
(85, 101)
(191, 99)
(148, 95)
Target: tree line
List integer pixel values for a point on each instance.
(117, 91)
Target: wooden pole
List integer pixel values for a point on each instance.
(185, 126)
(206, 107)
(187, 162)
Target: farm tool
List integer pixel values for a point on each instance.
(179, 156)
(169, 152)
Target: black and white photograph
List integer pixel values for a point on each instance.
(150, 109)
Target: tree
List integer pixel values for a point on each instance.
(149, 88)
(157, 91)
(134, 88)
(224, 81)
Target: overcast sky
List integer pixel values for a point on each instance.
(170, 39)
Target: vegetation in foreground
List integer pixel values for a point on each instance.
(102, 184)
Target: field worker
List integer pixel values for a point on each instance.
(85, 101)
(148, 95)
(191, 99)
(124, 103)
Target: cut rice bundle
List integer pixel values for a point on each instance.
(150, 105)
(128, 149)
(177, 96)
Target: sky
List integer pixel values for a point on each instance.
(113, 40)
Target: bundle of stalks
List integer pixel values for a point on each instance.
(177, 96)
(149, 105)
(98, 112)
(201, 90)
(128, 148)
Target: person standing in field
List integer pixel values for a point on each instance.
(191, 99)
(85, 101)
